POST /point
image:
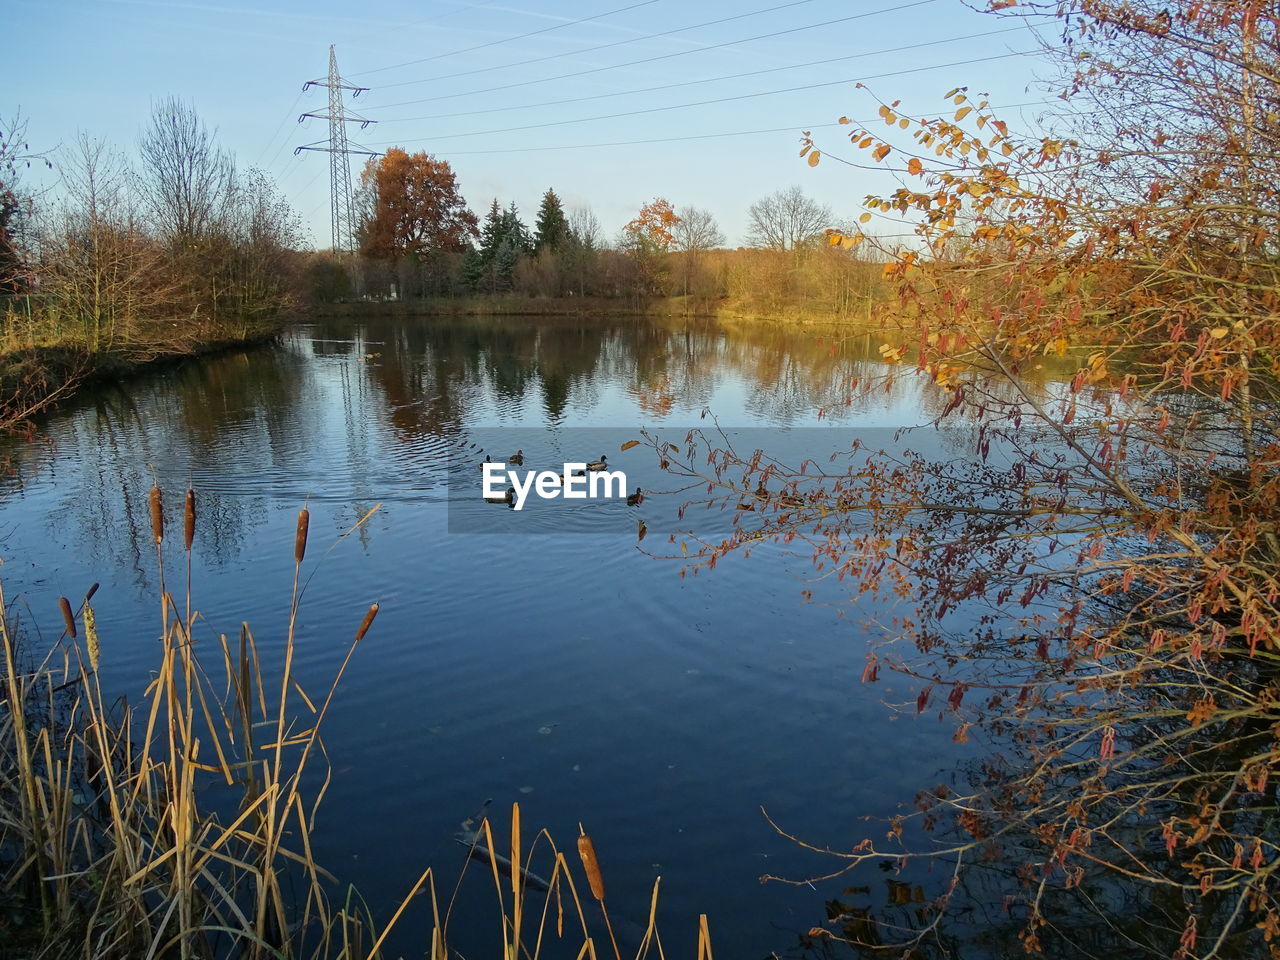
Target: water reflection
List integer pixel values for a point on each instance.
(673, 709)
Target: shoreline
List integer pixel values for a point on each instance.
(496, 306)
(36, 380)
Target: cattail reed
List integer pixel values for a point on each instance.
(67, 617)
(157, 515)
(92, 590)
(587, 852)
(367, 622)
(91, 636)
(189, 519)
(300, 541)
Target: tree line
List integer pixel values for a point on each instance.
(164, 252)
(417, 238)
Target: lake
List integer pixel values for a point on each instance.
(569, 671)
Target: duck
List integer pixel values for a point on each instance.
(508, 497)
(487, 459)
(634, 499)
(517, 458)
(598, 464)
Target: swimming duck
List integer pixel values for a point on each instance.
(633, 499)
(598, 464)
(508, 497)
(517, 458)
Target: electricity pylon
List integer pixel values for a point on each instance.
(339, 150)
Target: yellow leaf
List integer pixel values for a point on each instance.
(884, 111)
(914, 167)
(1218, 333)
(629, 444)
(962, 113)
(815, 157)
(904, 123)
(881, 152)
(844, 120)
(864, 218)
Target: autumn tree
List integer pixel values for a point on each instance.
(416, 207)
(647, 238)
(653, 227)
(1096, 588)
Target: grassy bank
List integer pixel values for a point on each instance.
(110, 847)
(814, 312)
(35, 377)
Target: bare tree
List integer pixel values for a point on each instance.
(786, 220)
(695, 234)
(584, 227)
(585, 241)
(15, 204)
(186, 180)
(697, 231)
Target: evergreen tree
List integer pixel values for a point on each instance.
(504, 264)
(514, 230)
(551, 231)
(503, 240)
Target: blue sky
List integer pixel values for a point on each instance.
(451, 77)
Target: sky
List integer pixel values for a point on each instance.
(608, 102)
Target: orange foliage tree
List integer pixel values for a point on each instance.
(412, 207)
(1112, 547)
(655, 225)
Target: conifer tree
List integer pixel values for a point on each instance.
(551, 231)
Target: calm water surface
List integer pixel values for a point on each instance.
(571, 673)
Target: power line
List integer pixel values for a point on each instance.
(283, 121)
(743, 96)
(494, 43)
(694, 136)
(691, 83)
(604, 46)
(655, 59)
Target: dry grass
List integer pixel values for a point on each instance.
(116, 856)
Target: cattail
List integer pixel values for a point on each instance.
(587, 851)
(189, 519)
(67, 617)
(367, 622)
(300, 541)
(92, 590)
(157, 515)
(91, 636)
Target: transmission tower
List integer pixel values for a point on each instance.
(339, 150)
